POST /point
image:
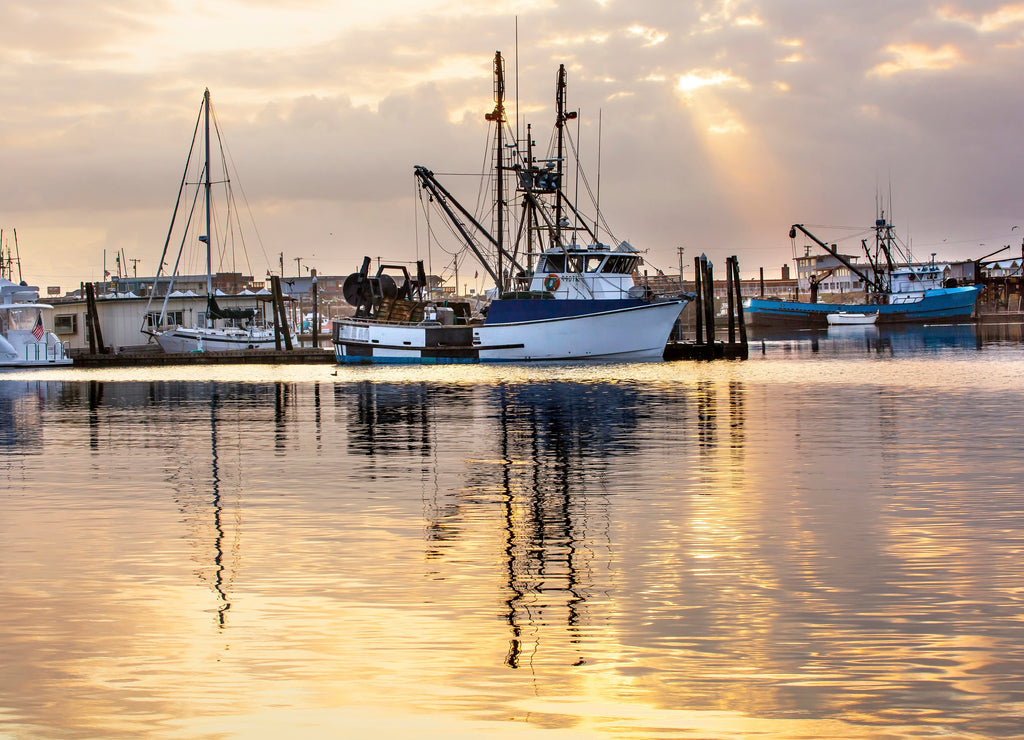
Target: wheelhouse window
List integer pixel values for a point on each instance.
(623, 265)
(552, 263)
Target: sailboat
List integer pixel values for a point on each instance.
(897, 291)
(579, 299)
(220, 329)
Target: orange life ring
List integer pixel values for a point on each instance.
(551, 282)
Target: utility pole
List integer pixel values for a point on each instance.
(681, 250)
(298, 266)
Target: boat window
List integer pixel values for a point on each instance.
(553, 263)
(621, 265)
(614, 264)
(594, 262)
(574, 263)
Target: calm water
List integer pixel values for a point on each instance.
(823, 541)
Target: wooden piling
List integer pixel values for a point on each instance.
(315, 329)
(280, 315)
(708, 281)
(739, 304)
(729, 297)
(699, 301)
(92, 321)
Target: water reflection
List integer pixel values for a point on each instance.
(886, 340)
(646, 546)
(551, 457)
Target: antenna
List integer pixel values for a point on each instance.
(17, 255)
(597, 216)
(519, 133)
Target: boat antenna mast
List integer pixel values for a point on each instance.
(561, 116)
(498, 117)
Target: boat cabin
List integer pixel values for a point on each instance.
(587, 272)
(918, 278)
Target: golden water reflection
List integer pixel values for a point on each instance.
(712, 554)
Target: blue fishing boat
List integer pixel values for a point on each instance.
(571, 298)
(904, 294)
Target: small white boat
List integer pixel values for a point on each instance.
(845, 318)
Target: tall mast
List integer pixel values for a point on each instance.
(209, 263)
(498, 116)
(561, 116)
(559, 126)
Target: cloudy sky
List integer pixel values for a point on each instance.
(721, 122)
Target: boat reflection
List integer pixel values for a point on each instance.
(550, 459)
(187, 420)
(21, 412)
(891, 340)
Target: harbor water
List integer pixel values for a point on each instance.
(826, 540)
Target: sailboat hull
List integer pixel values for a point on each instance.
(638, 333)
(181, 339)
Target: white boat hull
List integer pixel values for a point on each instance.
(843, 318)
(636, 333)
(181, 340)
(20, 349)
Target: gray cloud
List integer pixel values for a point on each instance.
(325, 131)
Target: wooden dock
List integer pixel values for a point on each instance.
(676, 350)
(297, 356)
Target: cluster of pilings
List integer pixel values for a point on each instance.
(706, 346)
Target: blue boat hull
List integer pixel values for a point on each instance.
(941, 305)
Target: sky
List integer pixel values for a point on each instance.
(711, 126)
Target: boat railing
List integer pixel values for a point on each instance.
(40, 351)
(373, 321)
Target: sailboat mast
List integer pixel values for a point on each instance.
(209, 262)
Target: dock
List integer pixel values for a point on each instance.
(297, 356)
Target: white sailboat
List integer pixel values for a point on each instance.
(221, 329)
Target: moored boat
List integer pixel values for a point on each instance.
(908, 293)
(220, 329)
(578, 300)
(24, 342)
(851, 318)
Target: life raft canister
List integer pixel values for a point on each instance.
(551, 282)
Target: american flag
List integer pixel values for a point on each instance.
(37, 330)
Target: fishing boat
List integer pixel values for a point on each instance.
(898, 291)
(217, 329)
(852, 318)
(24, 342)
(560, 293)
